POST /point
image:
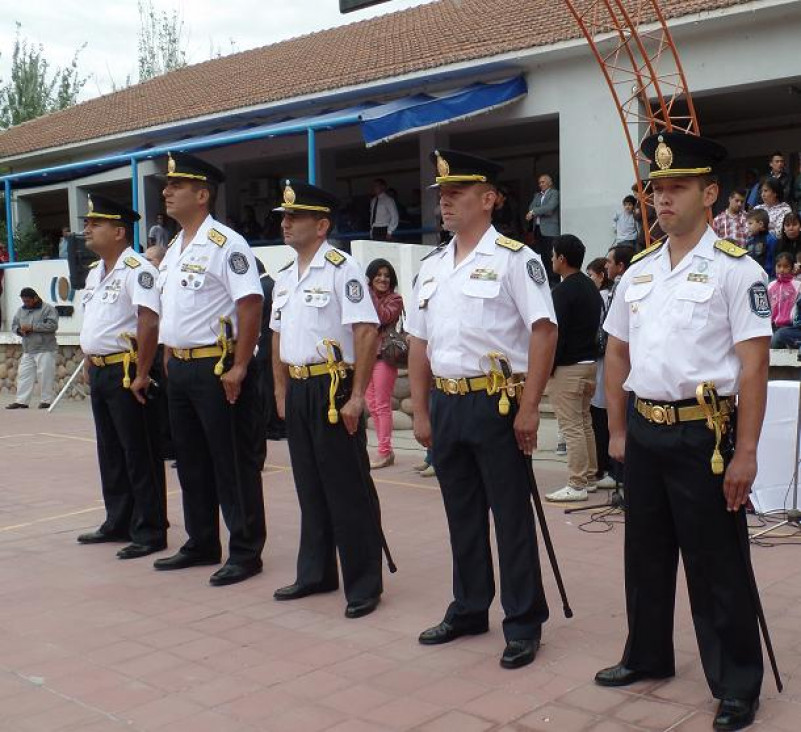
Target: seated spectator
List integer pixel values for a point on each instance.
(625, 224)
(578, 313)
(783, 292)
(773, 203)
(761, 244)
(730, 224)
(790, 335)
(790, 240)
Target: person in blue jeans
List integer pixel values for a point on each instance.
(790, 335)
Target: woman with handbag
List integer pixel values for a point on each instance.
(392, 352)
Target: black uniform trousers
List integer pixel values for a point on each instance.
(219, 449)
(339, 510)
(675, 503)
(131, 469)
(481, 468)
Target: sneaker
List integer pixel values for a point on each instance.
(592, 487)
(428, 472)
(567, 494)
(607, 482)
(383, 462)
(561, 448)
(420, 467)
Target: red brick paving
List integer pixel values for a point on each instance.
(92, 644)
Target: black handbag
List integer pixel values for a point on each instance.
(395, 345)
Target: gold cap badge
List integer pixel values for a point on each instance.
(289, 194)
(663, 154)
(170, 164)
(443, 169)
(90, 205)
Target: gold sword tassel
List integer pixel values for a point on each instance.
(336, 372)
(707, 397)
(225, 344)
(128, 359)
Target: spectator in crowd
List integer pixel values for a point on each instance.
(790, 240)
(36, 322)
(774, 204)
(778, 174)
(730, 224)
(783, 292)
(596, 270)
(155, 253)
(653, 225)
(795, 191)
(790, 335)
(543, 212)
(383, 212)
(382, 281)
(250, 227)
(578, 313)
(504, 215)
(158, 234)
(63, 243)
(626, 228)
(618, 259)
(761, 244)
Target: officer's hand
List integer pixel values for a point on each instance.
(739, 478)
(280, 404)
(139, 388)
(422, 430)
(232, 382)
(351, 413)
(527, 423)
(617, 446)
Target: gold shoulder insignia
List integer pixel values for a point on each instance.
(287, 265)
(437, 250)
(645, 252)
(132, 262)
(507, 243)
(730, 248)
(218, 238)
(172, 241)
(335, 257)
(94, 264)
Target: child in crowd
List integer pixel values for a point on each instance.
(783, 292)
(626, 228)
(761, 244)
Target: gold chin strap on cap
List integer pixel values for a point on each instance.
(337, 371)
(128, 359)
(499, 379)
(224, 342)
(707, 397)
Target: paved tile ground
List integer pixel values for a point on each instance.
(92, 644)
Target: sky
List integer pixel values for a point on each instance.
(110, 29)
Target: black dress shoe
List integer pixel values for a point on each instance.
(519, 653)
(230, 574)
(619, 675)
(182, 560)
(44, 405)
(735, 713)
(100, 537)
(296, 591)
(17, 405)
(445, 633)
(361, 608)
(134, 551)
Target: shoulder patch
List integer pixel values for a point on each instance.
(132, 262)
(336, 258)
(507, 243)
(287, 265)
(216, 237)
(758, 299)
(94, 264)
(172, 241)
(649, 250)
(437, 250)
(730, 248)
(536, 271)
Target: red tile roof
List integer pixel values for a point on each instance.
(425, 37)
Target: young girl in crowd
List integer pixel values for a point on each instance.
(783, 291)
(791, 239)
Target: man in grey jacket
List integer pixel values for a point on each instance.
(543, 212)
(36, 322)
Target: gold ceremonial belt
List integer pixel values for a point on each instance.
(671, 414)
(465, 385)
(111, 359)
(315, 369)
(190, 354)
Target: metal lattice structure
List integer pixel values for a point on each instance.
(635, 51)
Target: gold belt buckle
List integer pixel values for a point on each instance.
(299, 372)
(97, 360)
(450, 386)
(658, 414)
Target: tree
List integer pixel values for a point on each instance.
(160, 41)
(32, 91)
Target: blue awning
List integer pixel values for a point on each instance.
(423, 111)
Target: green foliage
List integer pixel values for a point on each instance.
(29, 244)
(33, 90)
(160, 41)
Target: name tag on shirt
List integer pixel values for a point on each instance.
(641, 279)
(697, 277)
(484, 274)
(316, 298)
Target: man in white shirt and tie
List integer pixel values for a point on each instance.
(383, 212)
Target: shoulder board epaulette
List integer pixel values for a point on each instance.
(287, 265)
(507, 243)
(335, 257)
(645, 252)
(730, 248)
(94, 264)
(218, 238)
(132, 262)
(434, 251)
(172, 241)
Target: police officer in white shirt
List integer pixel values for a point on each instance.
(482, 293)
(211, 316)
(322, 296)
(120, 297)
(691, 310)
